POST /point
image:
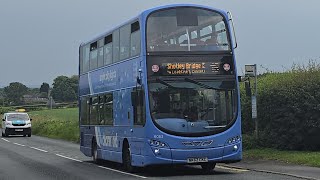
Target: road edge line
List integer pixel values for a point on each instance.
(272, 172)
(19, 144)
(68, 158)
(38, 149)
(5, 139)
(115, 170)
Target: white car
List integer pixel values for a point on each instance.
(16, 123)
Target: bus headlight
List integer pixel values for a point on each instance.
(234, 140)
(157, 143)
(157, 151)
(235, 148)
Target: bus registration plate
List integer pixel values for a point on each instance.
(197, 160)
(19, 130)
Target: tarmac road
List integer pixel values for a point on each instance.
(43, 158)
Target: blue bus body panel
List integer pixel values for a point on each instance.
(218, 151)
(110, 78)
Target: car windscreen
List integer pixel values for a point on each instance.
(12, 117)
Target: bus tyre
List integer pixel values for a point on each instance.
(29, 135)
(3, 134)
(208, 167)
(126, 158)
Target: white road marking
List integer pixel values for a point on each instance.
(232, 169)
(5, 140)
(68, 158)
(103, 167)
(122, 172)
(38, 149)
(19, 144)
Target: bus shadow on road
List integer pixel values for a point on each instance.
(164, 171)
(173, 170)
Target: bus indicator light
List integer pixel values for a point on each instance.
(155, 68)
(226, 67)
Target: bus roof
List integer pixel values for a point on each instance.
(144, 14)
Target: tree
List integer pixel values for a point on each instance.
(64, 89)
(44, 88)
(14, 92)
(74, 83)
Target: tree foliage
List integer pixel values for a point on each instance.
(65, 89)
(44, 88)
(14, 92)
(288, 109)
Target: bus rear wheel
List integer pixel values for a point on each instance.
(208, 167)
(126, 158)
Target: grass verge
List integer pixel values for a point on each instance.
(56, 123)
(292, 157)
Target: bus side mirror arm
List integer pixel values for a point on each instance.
(234, 33)
(139, 80)
(139, 77)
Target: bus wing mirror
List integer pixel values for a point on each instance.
(239, 78)
(3, 120)
(30, 119)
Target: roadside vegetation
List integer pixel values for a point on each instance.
(56, 123)
(288, 109)
(307, 158)
(288, 115)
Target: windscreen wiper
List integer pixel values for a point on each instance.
(214, 127)
(164, 83)
(204, 85)
(197, 83)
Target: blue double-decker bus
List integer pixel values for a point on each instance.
(162, 89)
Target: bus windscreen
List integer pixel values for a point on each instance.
(186, 29)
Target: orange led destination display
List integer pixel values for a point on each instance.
(189, 66)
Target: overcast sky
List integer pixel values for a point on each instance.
(39, 39)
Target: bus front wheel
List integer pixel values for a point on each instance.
(208, 167)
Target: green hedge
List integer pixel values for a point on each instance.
(56, 123)
(288, 110)
(6, 109)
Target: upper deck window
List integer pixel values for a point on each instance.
(93, 55)
(186, 29)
